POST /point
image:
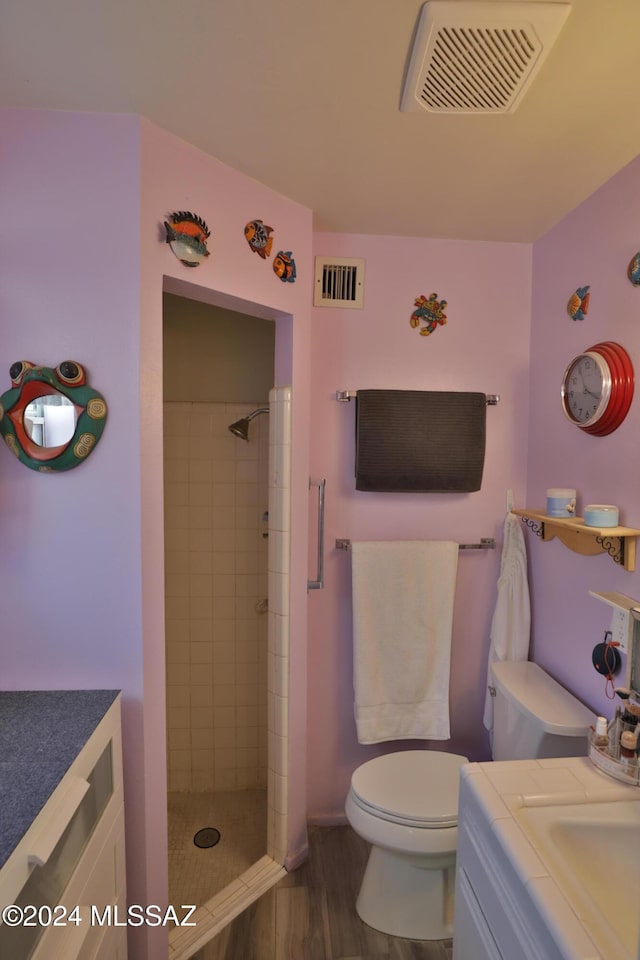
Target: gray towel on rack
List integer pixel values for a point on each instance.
(420, 441)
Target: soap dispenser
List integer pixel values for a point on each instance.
(601, 738)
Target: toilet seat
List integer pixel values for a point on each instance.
(416, 788)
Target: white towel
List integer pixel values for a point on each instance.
(511, 625)
(403, 594)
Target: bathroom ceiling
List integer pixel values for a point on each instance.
(304, 97)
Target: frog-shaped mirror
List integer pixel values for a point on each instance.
(51, 419)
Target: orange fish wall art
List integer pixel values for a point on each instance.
(187, 235)
(258, 236)
(578, 305)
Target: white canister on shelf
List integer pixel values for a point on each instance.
(561, 502)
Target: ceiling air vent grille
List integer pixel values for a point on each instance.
(339, 282)
(472, 57)
(478, 69)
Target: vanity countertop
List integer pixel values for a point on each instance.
(505, 792)
(41, 734)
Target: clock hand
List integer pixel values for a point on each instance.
(585, 389)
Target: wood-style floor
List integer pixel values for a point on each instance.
(310, 914)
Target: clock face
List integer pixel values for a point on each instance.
(586, 388)
(597, 388)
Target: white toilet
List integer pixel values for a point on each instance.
(406, 804)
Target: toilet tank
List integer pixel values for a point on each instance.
(535, 717)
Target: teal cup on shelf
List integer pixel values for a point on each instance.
(601, 515)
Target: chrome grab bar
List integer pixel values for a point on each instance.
(318, 583)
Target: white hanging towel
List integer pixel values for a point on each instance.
(403, 595)
(511, 625)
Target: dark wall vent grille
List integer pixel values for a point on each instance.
(339, 282)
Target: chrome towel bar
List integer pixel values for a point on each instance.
(486, 543)
(345, 395)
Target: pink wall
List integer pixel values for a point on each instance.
(71, 609)
(484, 347)
(592, 245)
(177, 176)
(82, 599)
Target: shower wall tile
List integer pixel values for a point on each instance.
(216, 493)
(177, 653)
(277, 834)
(278, 561)
(182, 780)
(180, 675)
(278, 754)
(278, 791)
(278, 642)
(278, 676)
(280, 593)
(202, 780)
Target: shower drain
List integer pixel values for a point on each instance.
(207, 837)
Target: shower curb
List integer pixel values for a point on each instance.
(220, 910)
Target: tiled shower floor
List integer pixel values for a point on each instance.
(196, 875)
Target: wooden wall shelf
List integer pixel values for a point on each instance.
(618, 542)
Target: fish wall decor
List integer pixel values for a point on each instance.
(284, 266)
(259, 238)
(578, 305)
(187, 235)
(430, 311)
(633, 270)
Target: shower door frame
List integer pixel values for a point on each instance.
(222, 908)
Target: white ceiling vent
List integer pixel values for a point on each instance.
(475, 57)
(339, 282)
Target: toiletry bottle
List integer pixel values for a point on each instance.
(628, 744)
(601, 737)
(614, 734)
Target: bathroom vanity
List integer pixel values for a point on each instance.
(61, 825)
(548, 864)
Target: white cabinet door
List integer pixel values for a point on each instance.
(472, 938)
(72, 855)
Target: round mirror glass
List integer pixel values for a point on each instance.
(50, 421)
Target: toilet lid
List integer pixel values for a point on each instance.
(415, 786)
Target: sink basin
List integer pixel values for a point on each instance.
(592, 851)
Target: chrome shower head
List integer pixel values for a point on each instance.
(241, 427)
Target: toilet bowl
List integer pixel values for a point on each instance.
(406, 806)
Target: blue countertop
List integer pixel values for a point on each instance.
(41, 734)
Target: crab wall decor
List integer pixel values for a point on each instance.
(430, 311)
(50, 418)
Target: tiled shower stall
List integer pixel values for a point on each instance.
(227, 545)
(216, 524)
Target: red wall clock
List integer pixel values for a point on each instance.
(597, 388)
